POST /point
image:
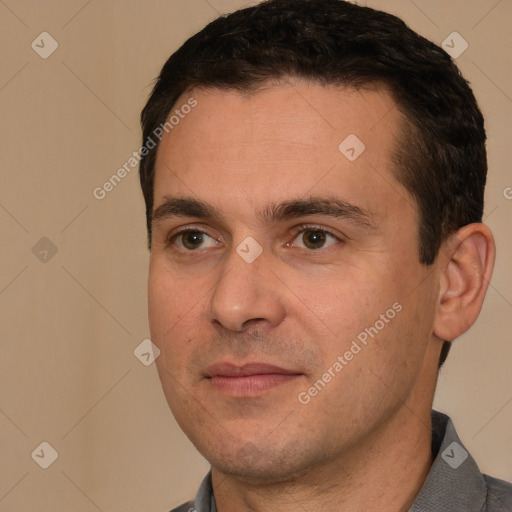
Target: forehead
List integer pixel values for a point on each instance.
(294, 139)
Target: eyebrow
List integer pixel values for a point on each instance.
(176, 207)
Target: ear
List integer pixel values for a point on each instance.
(465, 274)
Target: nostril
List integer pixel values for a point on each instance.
(249, 323)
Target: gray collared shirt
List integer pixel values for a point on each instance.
(454, 482)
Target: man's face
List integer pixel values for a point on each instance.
(249, 341)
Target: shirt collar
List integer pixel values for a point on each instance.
(204, 500)
(454, 481)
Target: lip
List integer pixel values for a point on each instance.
(247, 380)
(226, 369)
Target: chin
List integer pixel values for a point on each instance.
(261, 464)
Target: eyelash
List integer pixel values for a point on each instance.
(296, 231)
(311, 227)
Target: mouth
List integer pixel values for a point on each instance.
(250, 379)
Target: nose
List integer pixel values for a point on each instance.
(246, 293)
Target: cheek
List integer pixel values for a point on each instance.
(169, 302)
(176, 315)
(161, 307)
(371, 310)
(352, 303)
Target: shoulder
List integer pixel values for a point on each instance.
(499, 494)
(185, 507)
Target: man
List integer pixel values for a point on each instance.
(314, 185)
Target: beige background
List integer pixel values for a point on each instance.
(70, 325)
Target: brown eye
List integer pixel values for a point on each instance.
(192, 240)
(314, 238)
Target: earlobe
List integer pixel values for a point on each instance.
(467, 269)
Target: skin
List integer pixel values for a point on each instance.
(363, 442)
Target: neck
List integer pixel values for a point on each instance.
(385, 474)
